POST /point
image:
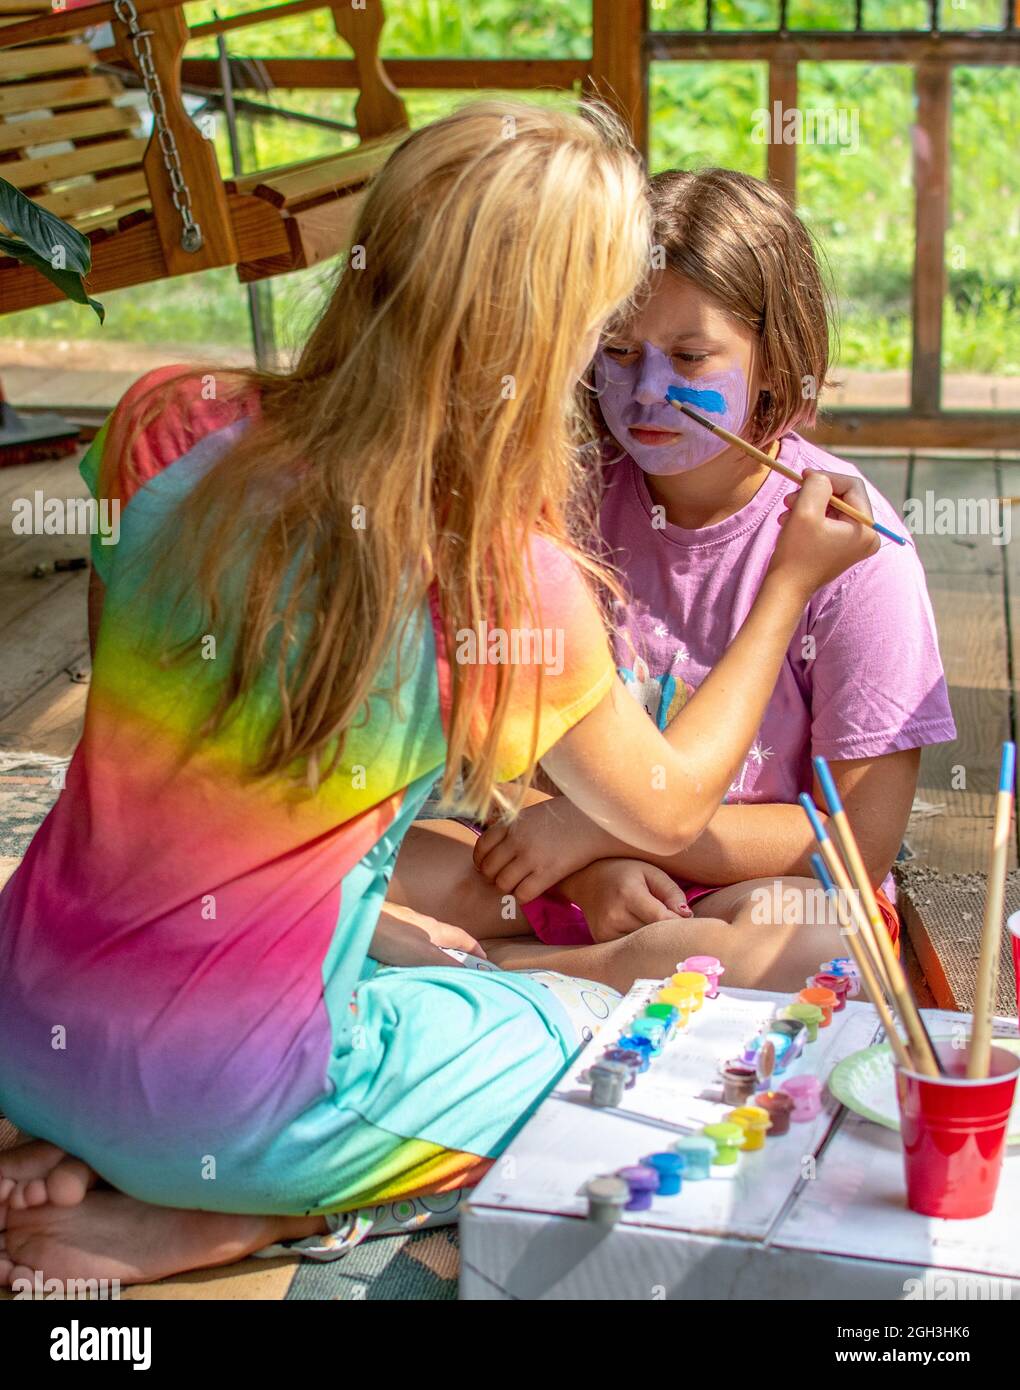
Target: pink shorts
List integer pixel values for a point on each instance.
(557, 923)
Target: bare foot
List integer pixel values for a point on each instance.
(111, 1236)
(36, 1173)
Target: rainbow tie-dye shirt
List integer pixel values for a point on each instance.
(186, 996)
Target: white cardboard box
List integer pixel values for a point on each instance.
(819, 1213)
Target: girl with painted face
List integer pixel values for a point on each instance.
(733, 317)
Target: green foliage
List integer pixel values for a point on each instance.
(857, 202)
(42, 240)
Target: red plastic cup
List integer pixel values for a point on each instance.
(954, 1132)
(1014, 931)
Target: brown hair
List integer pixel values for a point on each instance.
(738, 239)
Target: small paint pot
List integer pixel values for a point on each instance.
(845, 966)
(669, 1015)
(788, 1037)
(630, 1043)
(670, 1168)
(739, 1082)
(651, 1028)
(642, 1183)
(709, 966)
(631, 1060)
(694, 982)
(755, 1122)
(607, 1198)
(808, 1014)
(839, 984)
(728, 1139)
(824, 998)
(779, 1105)
(680, 999)
(807, 1096)
(608, 1083)
(698, 1152)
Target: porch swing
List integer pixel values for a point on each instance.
(158, 207)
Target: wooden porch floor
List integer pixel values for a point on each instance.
(974, 585)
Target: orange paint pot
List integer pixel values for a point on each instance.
(825, 999)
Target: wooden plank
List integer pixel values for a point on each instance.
(50, 719)
(25, 7)
(134, 256)
(314, 235)
(47, 26)
(22, 479)
(849, 47)
(51, 57)
(197, 157)
(42, 641)
(308, 183)
(432, 74)
(965, 581)
(19, 589)
(267, 13)
(66, 91)
(378, 108)
(110, 220)
(933, 91)
(91, 197)
(618, 73)
(782, 156)
(899, 429)
(889, 475)
(88, 159)
(72, 125)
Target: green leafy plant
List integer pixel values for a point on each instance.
(40, 239)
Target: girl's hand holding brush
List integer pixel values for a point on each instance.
(817, 544)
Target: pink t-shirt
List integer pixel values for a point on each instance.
(862, 676)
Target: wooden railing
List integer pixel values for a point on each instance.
(623, 46)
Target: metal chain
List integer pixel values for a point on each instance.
(191, 232)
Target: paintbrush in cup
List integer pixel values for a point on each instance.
(869, 977)
(920, 1042)
(836, 503)
(980, 1055)
(859, 936)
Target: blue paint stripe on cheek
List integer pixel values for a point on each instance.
(708, 400)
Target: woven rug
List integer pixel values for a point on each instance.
(29, 785)
(943, 914)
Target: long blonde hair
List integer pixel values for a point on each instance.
(435, 392)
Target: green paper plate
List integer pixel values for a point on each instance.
(864, 1083)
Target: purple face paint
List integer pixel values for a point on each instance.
(635, 396)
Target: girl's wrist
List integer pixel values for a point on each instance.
(786, 586)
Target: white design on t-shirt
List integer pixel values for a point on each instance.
(755, 757)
